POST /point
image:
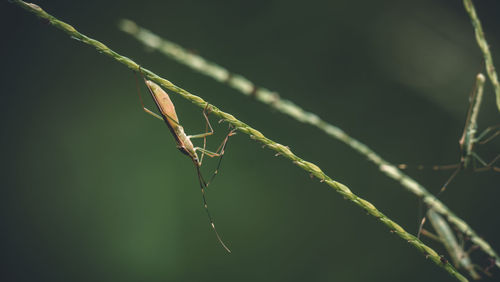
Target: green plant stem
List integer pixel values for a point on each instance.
(483, 45)
(254, 134)
(458, 255)
(287, 107)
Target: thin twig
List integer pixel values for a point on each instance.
(483, 45)
(245, 86)
(254, 134)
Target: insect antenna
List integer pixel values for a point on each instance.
(203, 186)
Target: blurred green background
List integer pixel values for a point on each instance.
(95, 190)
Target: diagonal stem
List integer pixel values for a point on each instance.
(254, 134)
(483, 45)
(245, 86)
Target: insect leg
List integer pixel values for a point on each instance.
(457, 170)
(203, 186)
(483, 134)
(142, 103)
(207, 132)
(488, 166)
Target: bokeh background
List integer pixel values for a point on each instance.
(93, 189)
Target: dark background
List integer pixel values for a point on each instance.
(95, 190)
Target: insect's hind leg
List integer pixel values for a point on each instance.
(219, 153)
(220, 150)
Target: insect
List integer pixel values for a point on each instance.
(469, 159)
(184, 144)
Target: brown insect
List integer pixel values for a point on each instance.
(184, 144)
